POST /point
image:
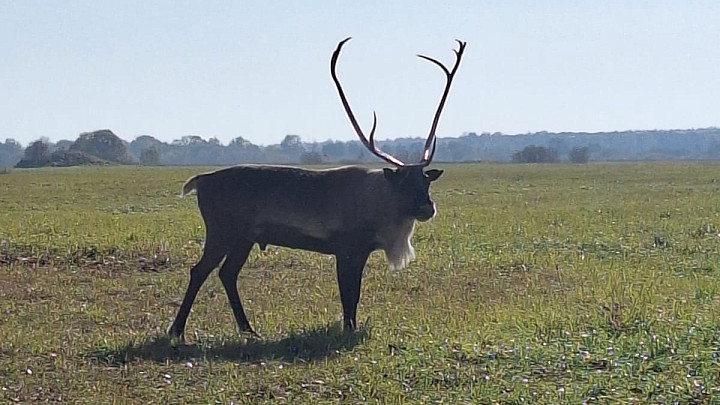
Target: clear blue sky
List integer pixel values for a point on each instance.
(260, 69)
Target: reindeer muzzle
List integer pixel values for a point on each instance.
(426, 212)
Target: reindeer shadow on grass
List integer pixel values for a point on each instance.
(312, 345)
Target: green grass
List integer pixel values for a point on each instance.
(534, 284)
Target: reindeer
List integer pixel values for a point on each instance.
(348, 212)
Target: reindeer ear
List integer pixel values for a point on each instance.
(433, 174)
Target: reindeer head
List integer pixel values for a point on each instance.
(411, 182)
(412, 187)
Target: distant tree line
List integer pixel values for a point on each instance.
(542, 154)
(91, 148)
(104, 147)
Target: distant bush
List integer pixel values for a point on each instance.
(579, 154)
(535, 154)
(36, 155)
(67, 158)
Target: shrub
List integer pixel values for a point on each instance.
(579, 154)
(535, 154)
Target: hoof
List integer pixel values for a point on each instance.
(176, 341)
(174, 337)
(251, 333)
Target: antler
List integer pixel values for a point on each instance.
(369, 143)
(429, 150)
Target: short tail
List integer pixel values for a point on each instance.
(189, 186)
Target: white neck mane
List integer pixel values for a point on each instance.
(396, 244)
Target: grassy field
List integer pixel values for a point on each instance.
(534, 284)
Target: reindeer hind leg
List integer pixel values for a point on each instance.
(213, 253)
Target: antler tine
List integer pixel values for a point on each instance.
(429, 150)
(369, 143)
